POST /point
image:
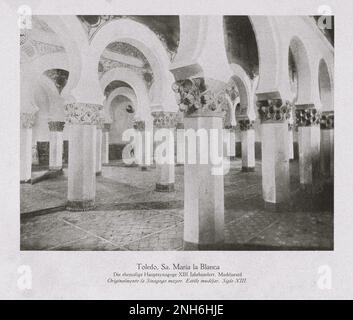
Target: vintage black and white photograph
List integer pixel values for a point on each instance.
(176, 132)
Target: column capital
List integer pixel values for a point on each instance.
(106, 127)
(139, 125)
(306, 115)
(56, 126)
(100, 123)
(327, 120)
(274, 110)
(246, 124)
(27, 120)
(83, 113)
(164, 119)
(196, 99)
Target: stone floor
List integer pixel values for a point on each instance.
(130, 215)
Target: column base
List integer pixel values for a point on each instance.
(25, 181)
(80, 205)
(248, 169)
(55, 168)
(165, 187)
(99, 173)
(190, 246)
(276, 207)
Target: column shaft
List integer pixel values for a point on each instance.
(327, 145)
(275, 154)
(27, 121)
(247, 136)
(82, 119)
(105, 144)
(164, 128)
(203, 191)
(308, 118)
(26, 154)
(99, 151)
(56, 145)
(290, 142)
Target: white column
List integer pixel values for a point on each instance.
(105, 143)
(165, 166)
(308, 120)
(275, 161)
(27, 121)
(327, 145)
(56, 145)
(290, 142)
(141, 150)
(247, 134)
(203, 183)
(82, 119)
(99, 149)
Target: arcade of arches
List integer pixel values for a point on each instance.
(87, 80)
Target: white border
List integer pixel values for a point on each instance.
(82, 275)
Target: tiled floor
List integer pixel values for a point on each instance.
(130, 215)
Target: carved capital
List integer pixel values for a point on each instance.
(327, 120)
(195, 99)
(56, 126)
(27, 120)
(274, 110)
(306, 116)
(139, 125)
(100, 123)
(106, 127)
(83, 113)
(163, 119)
(246, 124)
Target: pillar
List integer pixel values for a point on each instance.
(139, 147)
(307, 120)
(27, 121)
(82, 119)
(274, 114)
(290, 142)
(165, 167)
(327, 145)
(105, 143)
(179, 143)
(203, 186)
(247, 133)
(56, 145)
(99, 133)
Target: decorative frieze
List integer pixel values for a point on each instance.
(327, 120)
(56, 125)
(246, 124)
(139, 125)
(195, 99)
(27, 120)
(163, 119)
(274, 110)
(83, 113)
(306, 116)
